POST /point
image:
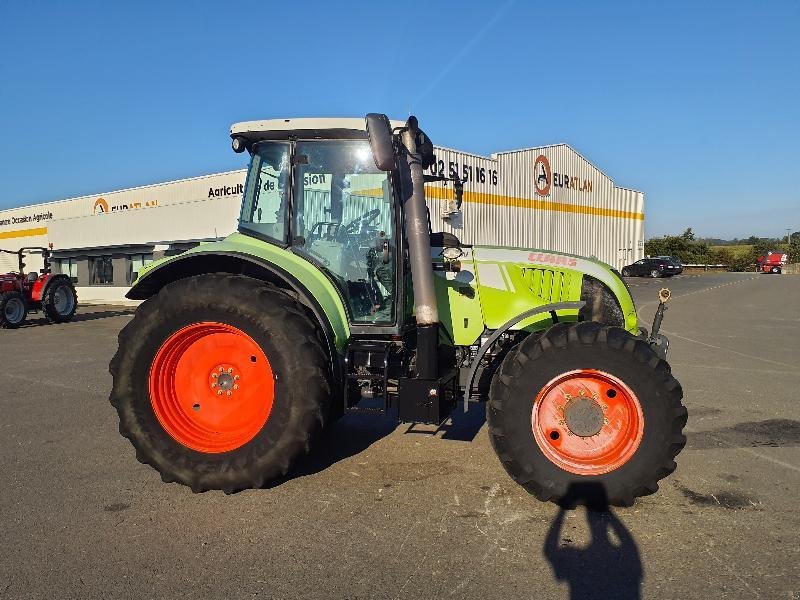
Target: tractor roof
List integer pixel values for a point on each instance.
(325, 128)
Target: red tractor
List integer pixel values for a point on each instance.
(19, 292)
(772, 262)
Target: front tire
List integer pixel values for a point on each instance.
(655, 273)
(626, 272)
(586, 407)
(220, 382)
(13, 310)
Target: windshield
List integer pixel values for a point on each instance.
(343, 221)
(264, 206)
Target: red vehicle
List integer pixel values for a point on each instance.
(19, 293)
(772, 261)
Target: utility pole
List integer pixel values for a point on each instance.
(789, 236)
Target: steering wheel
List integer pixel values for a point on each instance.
(358, 223)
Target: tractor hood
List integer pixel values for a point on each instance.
(505, 274)
(506, 282)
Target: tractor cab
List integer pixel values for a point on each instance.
(313, 187)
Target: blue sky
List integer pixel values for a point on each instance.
(696, 104)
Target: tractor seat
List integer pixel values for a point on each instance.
(442, 239)
(31, 277)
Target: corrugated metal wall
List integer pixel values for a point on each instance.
(503, 207)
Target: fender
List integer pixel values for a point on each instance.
(189, 264)
(40, 287)
(547, 308)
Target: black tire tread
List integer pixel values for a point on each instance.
(248, 470)
(4, 297)
(48, 307)
(558, 339)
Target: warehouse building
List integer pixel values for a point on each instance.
(547, 197)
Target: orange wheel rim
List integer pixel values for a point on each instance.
(211, 387)
(587, 422)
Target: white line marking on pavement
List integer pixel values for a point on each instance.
(751, 356)
(717, 367)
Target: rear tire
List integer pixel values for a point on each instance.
(620, 458)
(60, 300)
(289, 382)
(775, 270)
(13, 310)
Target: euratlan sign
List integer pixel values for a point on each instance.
(101, 206)
(547, 179)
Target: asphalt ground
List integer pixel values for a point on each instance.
(379, 511)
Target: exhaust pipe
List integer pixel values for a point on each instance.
(419, 248)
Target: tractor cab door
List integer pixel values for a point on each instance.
(344, 221)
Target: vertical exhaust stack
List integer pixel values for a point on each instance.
(417, 145)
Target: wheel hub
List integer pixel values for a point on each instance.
(584, 416)
(224, 379)
(587, 422)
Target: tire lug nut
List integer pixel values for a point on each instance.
(213, 385)
(228, 392)
(230, 370)
(221, 369)
(214, 375)
(219, 392)
(237, 377)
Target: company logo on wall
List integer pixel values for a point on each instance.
(543, 174)
(545, 178)
(102, 207)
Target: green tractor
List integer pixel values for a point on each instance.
(334, 294)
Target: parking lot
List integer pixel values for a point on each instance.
(381, 511)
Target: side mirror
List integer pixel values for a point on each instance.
(380, 141)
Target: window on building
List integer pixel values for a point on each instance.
(69, 266)
(135, 265)
(101, 270)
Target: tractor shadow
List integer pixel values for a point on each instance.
(349, 436)
(459, 426)
(355, 432)
(102, 314)
(40, 320)
(610, 566)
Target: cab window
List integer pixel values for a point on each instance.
(265, 192)
(343, 221)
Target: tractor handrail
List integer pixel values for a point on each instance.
(551, 308)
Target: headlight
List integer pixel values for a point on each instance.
(239, 144)
(452, 253)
